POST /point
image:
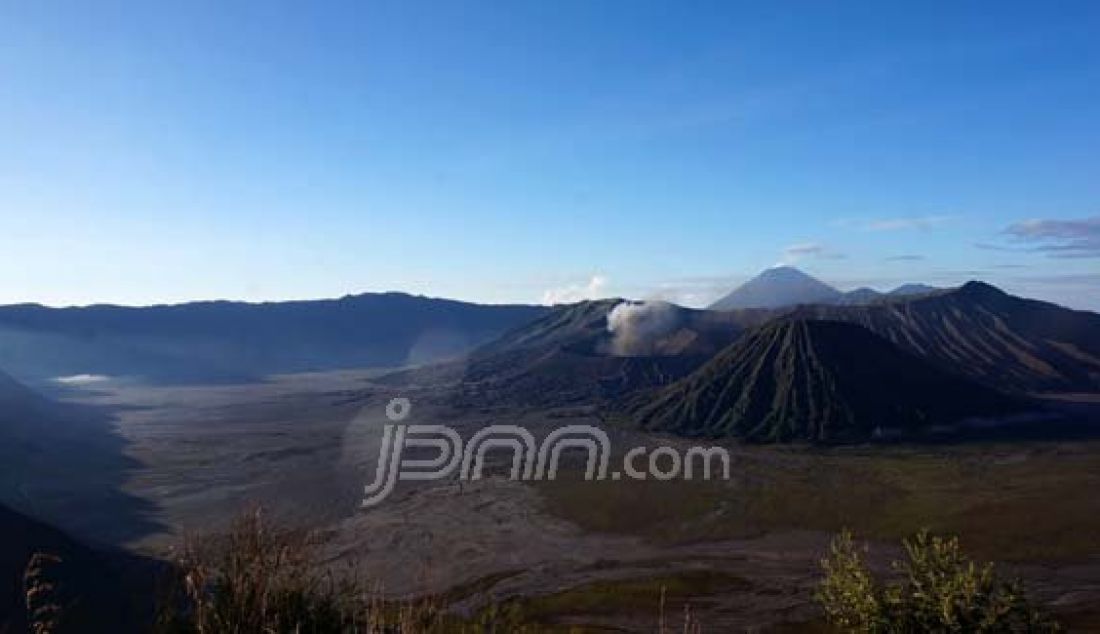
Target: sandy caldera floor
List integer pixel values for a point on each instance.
(304, 446)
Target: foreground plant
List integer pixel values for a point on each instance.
(40, 585)
(255, 579)
(261, 579)
(940, 590)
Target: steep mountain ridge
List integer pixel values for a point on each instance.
(979, 331)
(561, 326)
(817, 381)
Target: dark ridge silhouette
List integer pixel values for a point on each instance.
(236, 341)
(981, 332)
(96, 590)
(816, 381)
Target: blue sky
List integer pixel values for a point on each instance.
(528, 151)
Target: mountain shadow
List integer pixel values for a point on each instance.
(66, 464)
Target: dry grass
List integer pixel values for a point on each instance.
(260, 579)
(44, 608)
(255, 578)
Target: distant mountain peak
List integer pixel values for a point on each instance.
(913, 289)
(977, 288)
(778, 287)
(860, 296)
(785, 271)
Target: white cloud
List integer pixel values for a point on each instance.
(1078, 238)
(568, 294)
(798, 252)
(907, 223)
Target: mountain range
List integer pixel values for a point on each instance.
(624, 355)
(786, 286)
(977, 330)
(905, 361)
(237, 341)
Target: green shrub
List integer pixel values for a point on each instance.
(939, 590)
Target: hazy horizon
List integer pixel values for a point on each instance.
(572, 295)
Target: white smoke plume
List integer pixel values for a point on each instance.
(637, 327)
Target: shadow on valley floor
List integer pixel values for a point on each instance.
(66, 464)
(1058, 418)
(63, 467)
